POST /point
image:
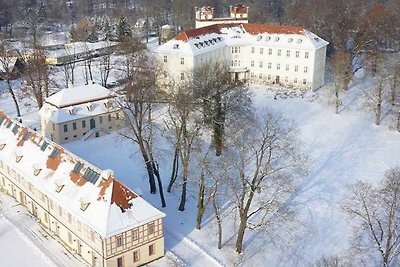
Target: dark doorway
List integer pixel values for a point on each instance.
(92, 124)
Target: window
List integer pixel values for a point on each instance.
(65, 128)
(287, 67)
(288, 53)
(136, 256)
(101, 119)
(306, 55)
(297, 53)
(260, 64)
(296, 68)
(74, 126)
(295, 80)
(120, 241)
(92, 235)
(150, 228)
(304, 81)
(182, 76)
(252, 63)
(69, 237)
(165, 59)
(279, 52)
(286, 79)
(253, 49)
(269, 65)
(135, 234)
(182, 61)
(260, 76)
(305, 69)
(109, 117)
(261, 51)
(54, 127)
(151, 250)
(251, 74)
(270, 51)
(269, 76)
(120, 262)
(54, 153)
(83, 124)
(278, 66)
(60, 211)
(69, 218)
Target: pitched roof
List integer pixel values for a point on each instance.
(71, 182)
(79, 95)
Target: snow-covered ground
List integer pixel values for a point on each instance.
(342, 148)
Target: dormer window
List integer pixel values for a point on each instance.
(316, 39)
(176, 46)
(72, 110)
(2, 146)
(276, 39)
(25, 136)
(90, 106)
(299, 41)
(44, 146)
(59, 188)
(290, 40)
(259, 38)
(15, 129)
(78, 167)
(36, 169)
(84, 205)
(18, 155)
(267, 38)
(54, 153)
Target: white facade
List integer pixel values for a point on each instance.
(88, 210)
(285, 55)
(80, 112)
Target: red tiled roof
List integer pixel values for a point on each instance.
(121, 195)
(249, 27)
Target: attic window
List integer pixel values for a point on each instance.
(9, 124)
(276, 39)
(108, 104)
(18, 158)
(78, 167)
(219, 38)
(25, 136)
(1, 120)
(206, 42)
(267, 38)
(72, 111)
(59, 188)
(176, 46)
(2, 146)
(316, 39)
(197, 45)
(215, 39)
(89, 106)
(36, 171)
(290, 40)
(84, 205)
(54, 153)
(15, 129)
(201, 43)
(91, 176)
(299, 41)
(44, 146)
(259, 38)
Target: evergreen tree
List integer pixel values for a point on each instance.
(124, 29)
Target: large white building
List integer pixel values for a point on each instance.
(80, 112)
(87, 209)
(285, 55)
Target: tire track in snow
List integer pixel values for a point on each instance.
(188, 252)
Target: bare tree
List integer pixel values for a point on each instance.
(105, 68)
(376, 212)
(185, 124)
(267, 163)
(36, 77)
(7, 60)
(140, 97)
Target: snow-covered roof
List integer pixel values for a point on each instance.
(78, 48)
(79, 102)
(198, 41)
(73, 183)
(79, 95)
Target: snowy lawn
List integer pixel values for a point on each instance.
(342, 148)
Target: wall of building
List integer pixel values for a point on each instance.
(136, 246)
(75, 130)
(72, 233)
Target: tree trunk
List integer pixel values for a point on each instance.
(337, 101)
(218, 218)
(149, 167)
(241, 231)
(393, 91)
(378, 108)
(398, 121)
(11, 91)
(218, 125)
(200, 202)
(184, 184)
(175, 168)
(160, 186)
